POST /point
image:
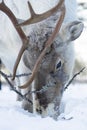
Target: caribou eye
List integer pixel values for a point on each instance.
(59, 65)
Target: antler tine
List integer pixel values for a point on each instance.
(22, 35)
(23, 48)
(39, 17)
(48, 43)
(31, 9)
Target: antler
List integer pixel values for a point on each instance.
(34, 18)
(39, 17)
(48, 44)
(22, 35)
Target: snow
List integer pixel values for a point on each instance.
(13, 117)
(81, 1)
(74, 103)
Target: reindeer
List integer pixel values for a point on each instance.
(46, 51)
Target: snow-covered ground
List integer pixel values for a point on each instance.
(74, 116)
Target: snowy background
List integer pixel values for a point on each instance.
(74, 116)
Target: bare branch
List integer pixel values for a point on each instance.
(44, 88)
(74, 78)
(39, 17)
(14, 89)
(18, 75)
(48, 44)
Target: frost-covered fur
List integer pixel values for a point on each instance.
(56, 66)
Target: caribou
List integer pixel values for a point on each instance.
(43, 46)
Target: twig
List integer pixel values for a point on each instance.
(18, 75)
(14, 89)
(44, 88)
(74, 78)
(70, 118)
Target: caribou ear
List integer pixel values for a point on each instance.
(75, 29)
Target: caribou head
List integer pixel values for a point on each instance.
(48, 53)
